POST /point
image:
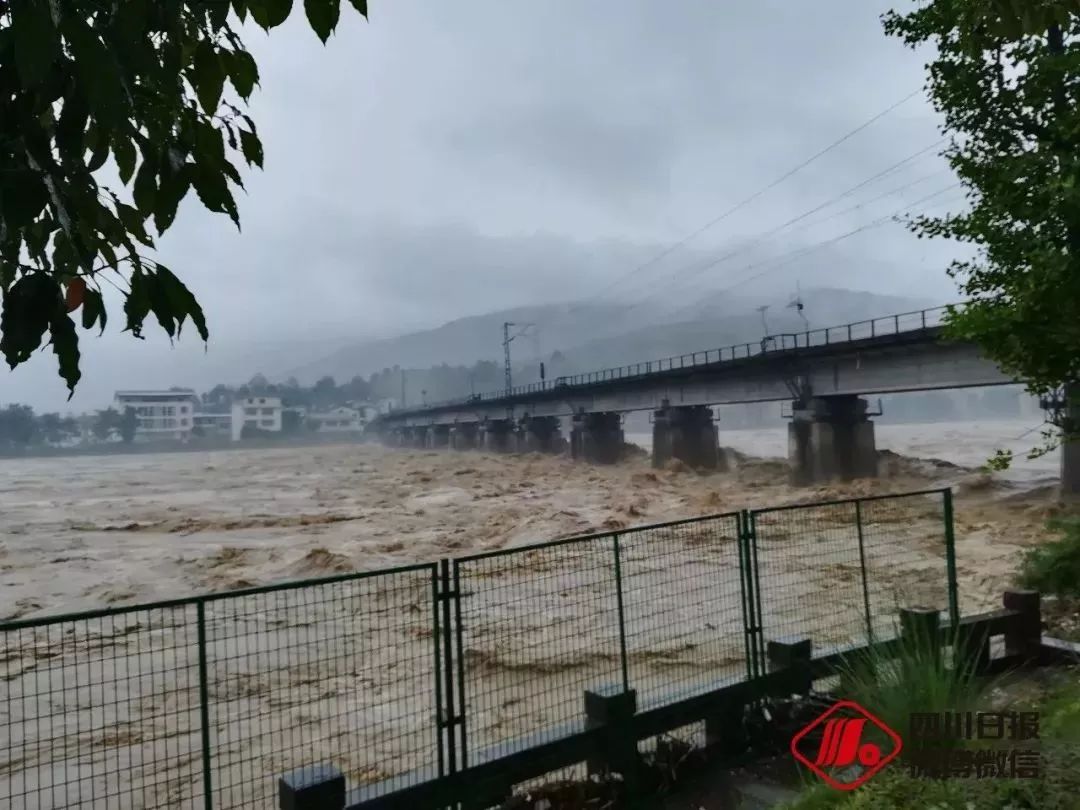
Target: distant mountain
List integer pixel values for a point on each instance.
(592, 336)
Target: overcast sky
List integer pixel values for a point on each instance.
(445, 159)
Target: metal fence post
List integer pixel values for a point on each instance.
(621, 613)
(204, 705)
(950, 558)
(865, 573)
(447, 719)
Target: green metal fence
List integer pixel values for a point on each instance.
(405, 675)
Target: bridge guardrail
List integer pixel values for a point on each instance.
(900, 323)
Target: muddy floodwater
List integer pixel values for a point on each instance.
(346, 675)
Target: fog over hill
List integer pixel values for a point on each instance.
(598, 335)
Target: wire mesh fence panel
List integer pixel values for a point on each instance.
(538, 627)
(101, 711)
(839, 573)
(809, 574)
(340, 672)
(682, 603)
(905, 539)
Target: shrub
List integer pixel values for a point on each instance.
(1054, 567)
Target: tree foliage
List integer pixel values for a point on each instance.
(1006, 77)
(155, 86)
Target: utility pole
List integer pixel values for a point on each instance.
(507, 337)
(402, 388)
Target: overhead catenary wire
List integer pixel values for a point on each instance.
(767, 266)
(700, 267)
(743, 203)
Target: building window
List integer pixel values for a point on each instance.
(251, 411)
(267, 411)
(268, 423)
(251, 422)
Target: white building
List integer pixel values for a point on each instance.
(337, 420)
(159, 414)
(262, 413)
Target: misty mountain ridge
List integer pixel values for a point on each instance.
(599, 335)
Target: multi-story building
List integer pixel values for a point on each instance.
(159, 414)
(259, 413)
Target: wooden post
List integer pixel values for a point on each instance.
(317, 787)
(612, 709)
(792, 657)
(1024, 637)
(920, 631)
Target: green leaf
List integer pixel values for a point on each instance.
(213, 191)
(323, 16)
(30, 305)
(269, 13)
(160, 304)
(208, 76)
(96, 70)
(93, 310)
(65, 343)
(137, 303)
(71, 127)
(36, 40)
(183, 303)
(218, 14)
(243, 72)
(174, 187)
(145, 189)
(252, 148)
(241, 9)
(98, 142)
(124, 154)
(21, 204)
(361, 6)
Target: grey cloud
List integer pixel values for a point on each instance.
(446, 159)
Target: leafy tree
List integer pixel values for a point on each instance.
(107, 422)
(140, 82)
(128, 425)
(18, 427)
(54, 428)
(1006, 77)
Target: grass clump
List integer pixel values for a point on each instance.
(1053, 569)
(914, 676)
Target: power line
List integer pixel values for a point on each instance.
(696, 270)
(776, 262)
(672, 248)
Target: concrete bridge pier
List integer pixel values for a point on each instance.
(541, 434)
(498, 436)
(463, 436)
(437, 437)
(688, 433)
(831, 438)
(597, 437)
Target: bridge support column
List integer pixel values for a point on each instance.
(438, 437)
(686, 432)
(541, 434)
(597, 437)
(1070, 451)
(498, 436)
(463, 436)
(831, 438)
